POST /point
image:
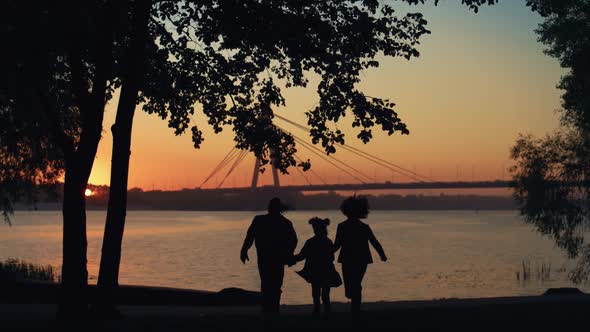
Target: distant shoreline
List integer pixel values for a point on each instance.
(57, 207)
(204, 200)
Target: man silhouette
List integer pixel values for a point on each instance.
(275, 241)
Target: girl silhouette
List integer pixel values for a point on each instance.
(353, 238)
(319, 268)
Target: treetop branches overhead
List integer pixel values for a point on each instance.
(565, 32)
(229, 56)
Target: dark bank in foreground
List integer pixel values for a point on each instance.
(557, 310)
(28, 305)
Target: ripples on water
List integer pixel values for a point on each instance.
(432, 254)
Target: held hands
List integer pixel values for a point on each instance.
(244, 256)
(292, 261)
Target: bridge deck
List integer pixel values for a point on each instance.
(378, 186)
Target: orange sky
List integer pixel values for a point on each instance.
(480, 81)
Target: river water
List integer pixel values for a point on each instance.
(432, 254)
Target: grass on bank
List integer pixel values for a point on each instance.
(16, 270)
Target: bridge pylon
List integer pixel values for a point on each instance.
(256, 173)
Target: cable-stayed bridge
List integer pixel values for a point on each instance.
(315, 182)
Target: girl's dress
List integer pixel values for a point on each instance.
(319, 262)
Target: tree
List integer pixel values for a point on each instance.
(231, 56)
(552, 173)
(56, 80)
(131, 80)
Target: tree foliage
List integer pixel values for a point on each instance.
(32, 87)
(232, 57)
(552, 174)
(236, 51)
(565, 32)
(57, 76)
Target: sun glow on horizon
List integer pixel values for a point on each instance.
(88, 193)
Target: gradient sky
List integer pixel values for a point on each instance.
(481, 80)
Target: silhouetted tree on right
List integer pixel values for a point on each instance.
(552, 174)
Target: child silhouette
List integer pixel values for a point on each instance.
(319, 269)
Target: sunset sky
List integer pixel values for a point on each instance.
(481, 80)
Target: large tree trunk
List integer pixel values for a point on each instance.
(108, 278)
(74, 274)
(79, 162)
(73, 302)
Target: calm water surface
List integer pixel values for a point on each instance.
(432, 254)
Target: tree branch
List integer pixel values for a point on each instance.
(65, 142)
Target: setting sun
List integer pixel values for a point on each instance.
(88, 193)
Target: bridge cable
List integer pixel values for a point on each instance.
(335, 165)
(311, 146)
(367, 155)
(238, 160)
(228, 157)
(302, 127)
(320, 154)
(311, 170)
(303, 175)
(413, 175)
(415, 178)
(234, 155)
